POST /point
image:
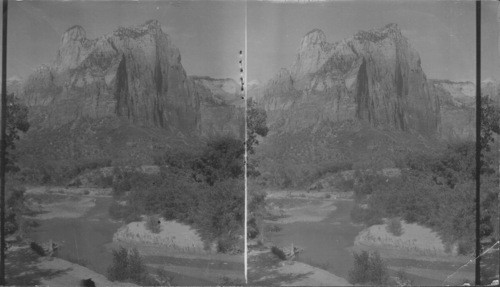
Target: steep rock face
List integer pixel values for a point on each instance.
(374, 77)
(457, 109)
(458, 106)
(222, 109)
(491, 88)
(135, 73)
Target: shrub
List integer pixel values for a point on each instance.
(394, 226)
(369, 268)
(153, 224)
(227, 281)
(37, 248)
(226, 244)
(121, 186)
(118, 271)
(127, 265)
(402, 278)
(221, 159)
(346, 185)
(278, 252)
(104, 181)
(221, 210)
(272, 228)
(332, 168)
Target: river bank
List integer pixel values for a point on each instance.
(86, 236)
(320, 224)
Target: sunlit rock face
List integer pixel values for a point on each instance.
(457, 109)
(374, 77)
(133, 73)
(222, 108)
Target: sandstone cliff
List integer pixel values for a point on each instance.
(457, 109)
(374, 77)
(133, 73)
(124, 96)
(222, 108)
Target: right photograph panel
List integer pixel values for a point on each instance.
(361, 130)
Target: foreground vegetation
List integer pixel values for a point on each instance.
(439, 191)
(129, 266)
(203, 190)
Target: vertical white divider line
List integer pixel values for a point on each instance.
(246, 151)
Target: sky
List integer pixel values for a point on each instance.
(209, 34)
(442, 32)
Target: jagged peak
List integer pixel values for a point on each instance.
(74, 33)
(152, 23)
(283, 72)
(391, 26)
(378, 34)
(152, 26)
(313, 37)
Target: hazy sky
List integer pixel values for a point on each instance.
(443, 32)
(209, 34)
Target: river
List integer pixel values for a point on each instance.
(327, 245)
(88, 241)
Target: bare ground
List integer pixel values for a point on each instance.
(266, 269)
(24, 267)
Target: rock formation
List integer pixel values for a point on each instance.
(374, 77)
(133, 73)
(457, 109)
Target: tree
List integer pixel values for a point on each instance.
(368, 269)
(17, 121)
(256, 125)
(221, 213)
(490, 122)
(127, 265)
(119, 268)
(221, 159)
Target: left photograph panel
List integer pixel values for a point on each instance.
(125, 140)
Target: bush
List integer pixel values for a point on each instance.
(278, 252)
(369, 269)
(273, 228)
(37, 248)
(402, 278)
(227, 281)
(153, 224)
(394, 226)
(127, 265)
(226, 244)
(221, 211)
(346, 185)
(331, 168)
(104, 181)
(221, 159)
(120, 187)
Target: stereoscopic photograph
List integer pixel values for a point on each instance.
(367, 169)
(126, 143)
(260, 143)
